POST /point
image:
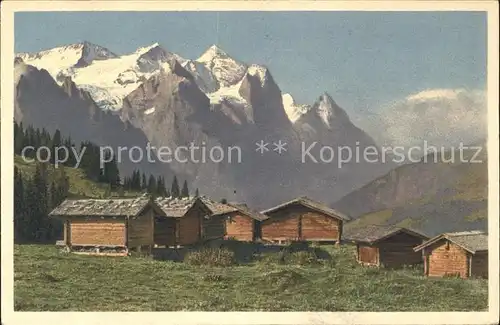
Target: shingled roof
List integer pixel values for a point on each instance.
(218, 208)
(472, 241)
(374, 233)
(243, 208)
(177, 207)
(307, 202)
(101, 207)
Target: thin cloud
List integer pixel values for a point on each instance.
(442, 117)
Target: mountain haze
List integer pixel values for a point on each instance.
(433, 196)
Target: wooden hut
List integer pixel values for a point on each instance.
(302, 219)
(184, 221)
(385, 245)
(240, 222)
(461, 254)
(111, 226)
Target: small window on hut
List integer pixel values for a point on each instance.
(447, 247)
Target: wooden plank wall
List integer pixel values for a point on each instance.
(67, 233)
(214, 227)
(444, 259)
(164, 231)
(479, 265)
(190, 227)
(367, 254)
(141, 229)
(301, 223)
(397, 250)
(97, 231)
(318, 226)
(240, 227)
(282, 225)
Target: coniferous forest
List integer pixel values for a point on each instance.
(36, 194)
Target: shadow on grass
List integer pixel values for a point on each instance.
(245, 252)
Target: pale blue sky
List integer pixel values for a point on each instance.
(363, 59)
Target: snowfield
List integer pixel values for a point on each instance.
(109, 78)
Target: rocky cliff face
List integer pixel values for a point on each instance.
(41, 102)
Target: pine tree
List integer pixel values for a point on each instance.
(151, 185)
(45, 138)
(90, 161)
(18, 138)
(185, 190)
(31, 216)
(30, 141)
(20, 226)
(37, 138)
(160, 186)
(37, 204)
(107, 192)
(56, 142)
(174, 191)
(61, 188)
(197, 193)
(144, 183)
(136, 180)
(111, 174)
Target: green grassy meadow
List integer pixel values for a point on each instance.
(47, 279)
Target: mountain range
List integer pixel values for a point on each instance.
(156, 96)
(153, 95)
(432, 196)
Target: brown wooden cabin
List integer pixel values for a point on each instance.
(184, 221)
(240, 222)
(302, 219)
(386, 246)
(461, 254)
(114, 226)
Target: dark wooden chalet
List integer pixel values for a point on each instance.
(302, 219)
(184, 221)
(110, 225)
(385, 245)
(461, 254)
(240, 222)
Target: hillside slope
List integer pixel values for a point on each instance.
(79, 184)
(432, 197)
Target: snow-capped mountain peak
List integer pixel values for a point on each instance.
(67, 57)
(328, 110)
(202, 76)
(91, 52)
(145, 49)
(294, 111)
(212, 53)
(226, 70)
(258, 71)
(89, 49)
(109, 78)
(151, 58)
